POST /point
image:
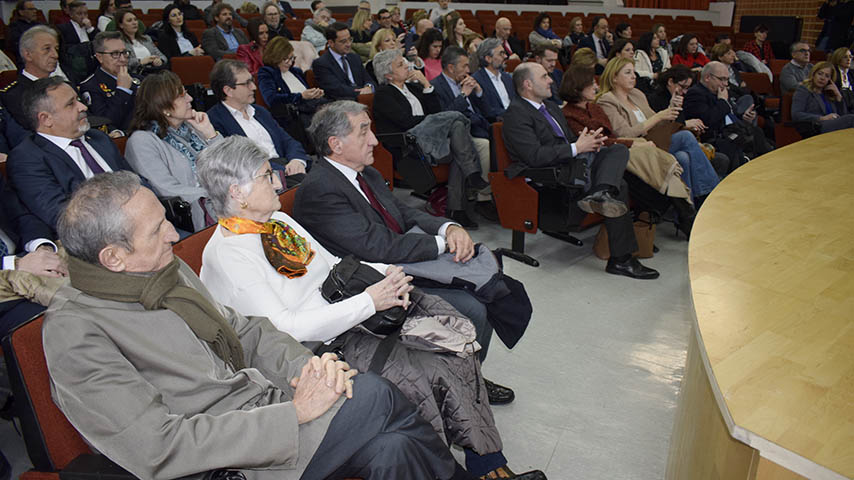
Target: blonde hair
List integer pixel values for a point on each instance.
(606, 80)
(837, 56)
(584, 56)
(379, 37)
(809, 83)
(359, 20)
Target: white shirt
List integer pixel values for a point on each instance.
(499, 87)
(140, 50)
(254, 130)
(599, 44)
(184, 45)
(350, 174)
(537, 106)
(64, 144)
(103, 22)
(639, 115)
(293, 82)
(82, 33)
(31, 246)
(56, 73)
(414, 103)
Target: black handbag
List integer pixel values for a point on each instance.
(350, 277)
(178, 212)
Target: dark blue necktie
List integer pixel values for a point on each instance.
(87, 157)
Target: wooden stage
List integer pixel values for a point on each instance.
(768, 390)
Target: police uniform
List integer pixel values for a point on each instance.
(100, 93)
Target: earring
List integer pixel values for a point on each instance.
(243, 205)
(168, 114)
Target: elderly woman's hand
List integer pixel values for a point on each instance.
(392, 291)
(311, 93)
(202, 123)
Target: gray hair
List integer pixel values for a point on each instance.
(451, 55)
(29, 38)
(101, 37)
(317, 13)
(36, 99)
(333, 120)
(521, 73)
(382, 64)
(230, 161)
(709, 68)
(485, 49)
(95, 217)
(794, 46)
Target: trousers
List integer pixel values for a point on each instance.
(697, 172)
(464, 161)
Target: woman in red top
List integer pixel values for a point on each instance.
(252, 53)
(688, 54)
(760, 47)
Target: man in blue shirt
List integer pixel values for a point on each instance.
(222, 38)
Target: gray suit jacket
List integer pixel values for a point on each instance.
(335, 213)
(145, 391)
(215, 45)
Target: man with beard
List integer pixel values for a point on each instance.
(222, 37)
(45, 168)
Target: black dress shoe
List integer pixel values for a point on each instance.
(476, 182)
(487, 210)
(631, 268)
(461, 217)
(604, 204)
(498, 394)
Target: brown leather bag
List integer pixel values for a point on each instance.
(644, 232)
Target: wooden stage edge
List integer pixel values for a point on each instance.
(707, 444)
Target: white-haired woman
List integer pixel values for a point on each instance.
(314, 30)
(261, 262)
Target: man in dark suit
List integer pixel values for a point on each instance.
(339, 72)
(599, 41)
(345, 205)
(80, 28)
(547, 57)
(496, 83)
(222, 38)
(512, 45)
(537, 136)
(111, 90)
(45, 168)
(25, 246)
(236, 115)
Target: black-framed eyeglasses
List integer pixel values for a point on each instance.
(684, 86)
(116, 55)
(722, 79)
(268, 173)
(244, 84)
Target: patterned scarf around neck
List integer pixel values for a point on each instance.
(184, 139)
(160, 291)
(285, 249)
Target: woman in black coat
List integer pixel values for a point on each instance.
(176, 40)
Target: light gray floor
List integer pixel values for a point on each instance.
(597, 373)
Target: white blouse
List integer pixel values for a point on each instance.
(238, 274)
(293, 82)
(139, 50)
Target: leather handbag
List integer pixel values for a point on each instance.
(351, 277)
(644, 226)
(178, 212)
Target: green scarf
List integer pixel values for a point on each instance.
(162, 291)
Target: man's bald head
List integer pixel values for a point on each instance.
(422, 26)
(503, 27)
(711, 72)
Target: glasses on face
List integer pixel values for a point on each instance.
(291, 59)
(385, 17)
(721, 79)
(802, 50)
(245, 84)
(345, 41)
(268, 173)
(116, 55)
(684, 85)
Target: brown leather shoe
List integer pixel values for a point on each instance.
(505, 472)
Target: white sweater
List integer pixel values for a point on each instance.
(238, 274)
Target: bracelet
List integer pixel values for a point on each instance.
(216, 132)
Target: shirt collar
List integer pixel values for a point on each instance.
(29, 75)
(533, 103)
(344, 169)
(337, 56)
(108, 73)
(61, 142)
(237, 113)
(450, 81)
(230, 32)
(494, 77)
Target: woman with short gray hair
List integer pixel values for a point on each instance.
(261, 262)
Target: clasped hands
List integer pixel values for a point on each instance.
(322, 380)
(589, 141)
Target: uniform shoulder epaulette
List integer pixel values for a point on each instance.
(7, 87)
(87, 79)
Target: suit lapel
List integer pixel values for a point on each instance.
(50, 149)
(350, 192)
(233, 127)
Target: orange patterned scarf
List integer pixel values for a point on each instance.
(286, 251)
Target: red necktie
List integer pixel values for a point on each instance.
(390, 222)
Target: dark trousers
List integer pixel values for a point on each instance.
(379, 434)
(472, 309)
(463, 163)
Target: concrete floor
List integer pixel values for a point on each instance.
(597, 373)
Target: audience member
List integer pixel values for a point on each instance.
(252, 53)
(282, 84)
(653, 166)
(430, 45)
(584, 57)
(687, 53)
(39, 47)
(314, 30)
(599, 41)
(384, 21)
(497, 85)
(272, 17)
(385, 39)
(268, 407)
(176, 40)
(167, 137)
(623, 30)
(512, 45)
(316, 5)
(145, 57)
(837, 18)
(360, 32)
(405, 103)
(234, 87)
(844, 78)
(797, 70)
(28, 256)
(222, 37)
(542, 33)
(80, 28)
(649, 59)
(760, 47)
(339, 72)
(455, 30)
(547, 57)
(724, 53)
(396, 22)
(64, 13)
(412, 38)
(24, 16)
(123, 5)
(46, 168)
(537, 136)
(622, 48)
(631, 117)
(575, 34)
(472, 45)
(723, 38)
(818, 100)
(211, 14)
(363, 6)
(438, 13)
(110, 91)
(660, 33)
(189, 11)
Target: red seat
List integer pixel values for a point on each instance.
(309, 79)
(193, 69)
(784, 132)
(761, 84)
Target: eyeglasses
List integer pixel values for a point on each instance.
(116, 55)
(385, 17)
(685, 85)
(802, 50)
(268, 174)
(291, 59)
(722, 79)
(244, 84)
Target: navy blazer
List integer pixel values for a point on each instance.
(531, 141)
(16, 221)
(702, 103)
(338, 216)
(101, 94)
(448, 101)
(45, 176)
(275, 90)
(331, 78)
(490, 103)
(286, 146)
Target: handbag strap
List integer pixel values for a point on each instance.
(383, 351)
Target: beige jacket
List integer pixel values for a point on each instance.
(624, 122)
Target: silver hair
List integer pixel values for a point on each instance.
(333, 120)
(29, 37)
(708, 69)
(95, 215)
(230, 161)
(317, 13)
(485, 49)
(382, 64)
(102, 37)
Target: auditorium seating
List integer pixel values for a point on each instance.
(193, 69)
